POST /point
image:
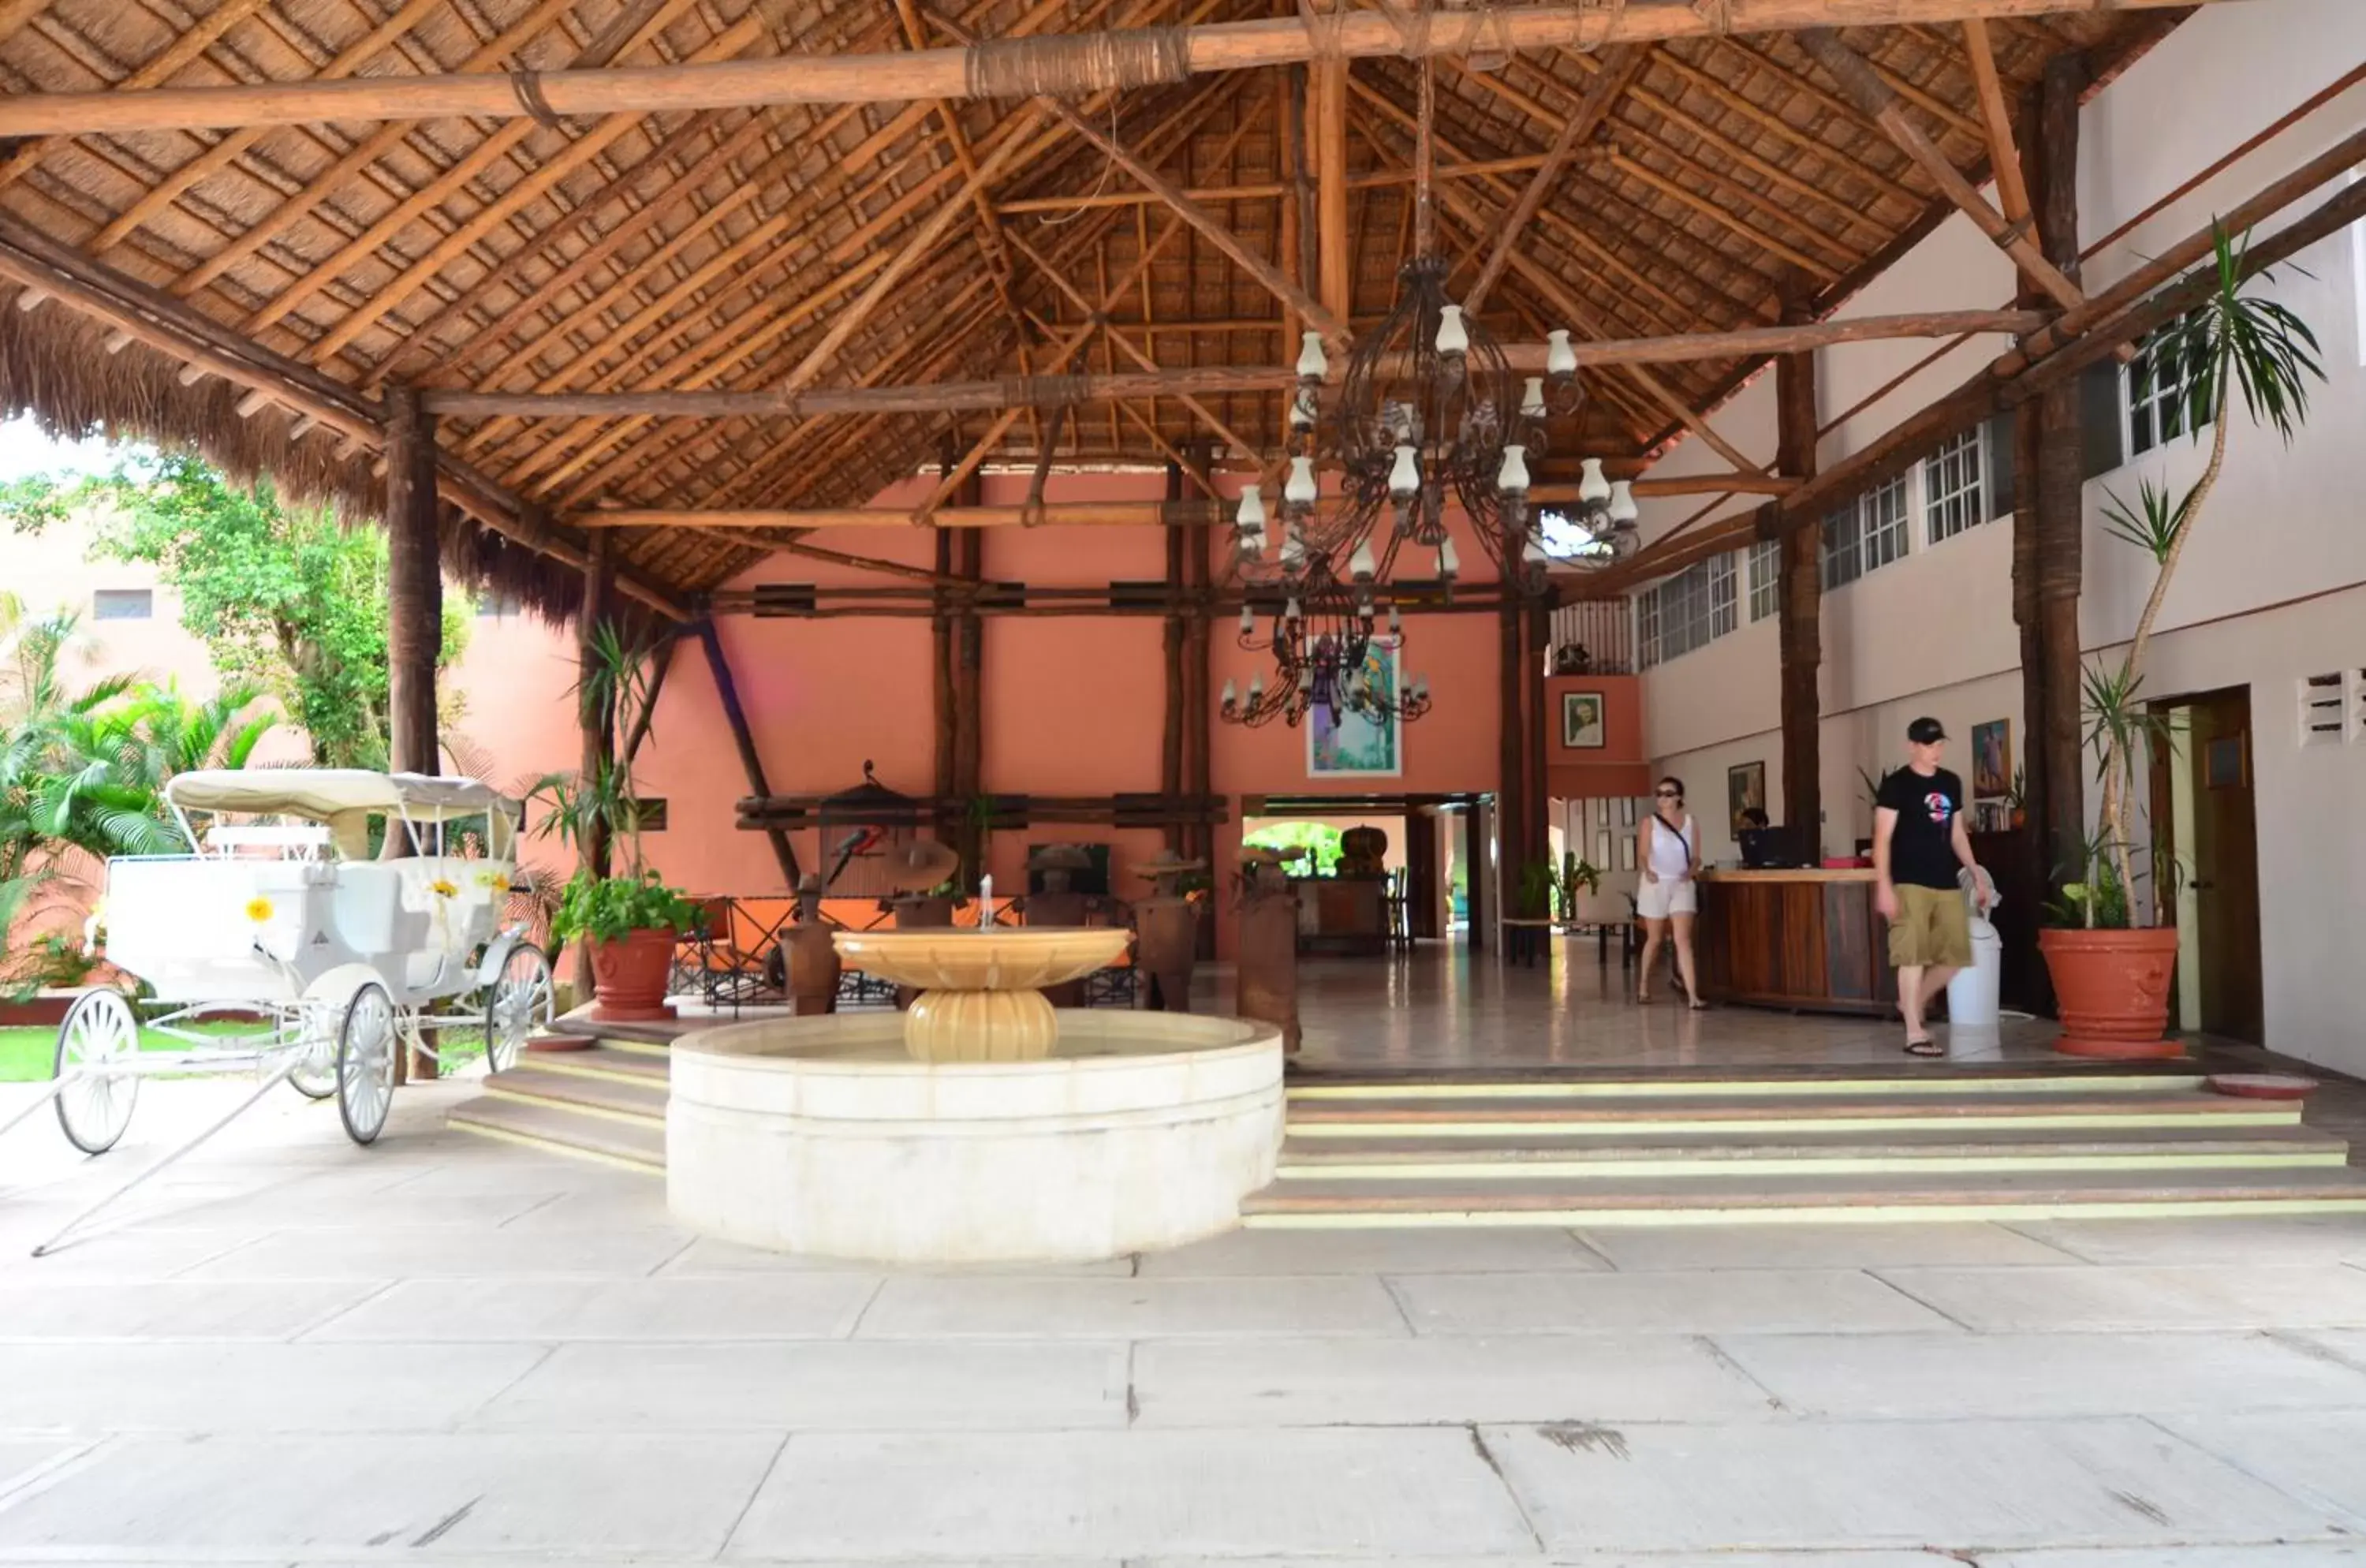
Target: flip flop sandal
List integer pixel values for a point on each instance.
(1926, 1046)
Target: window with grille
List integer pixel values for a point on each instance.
(2157, 388)
(1866, 536)
(1688, 611)
(1765, 577)
(1955, 486)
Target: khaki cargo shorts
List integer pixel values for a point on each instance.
(1930, 929)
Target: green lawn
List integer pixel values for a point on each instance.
(25, 1053)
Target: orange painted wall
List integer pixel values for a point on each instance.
(1618, 767)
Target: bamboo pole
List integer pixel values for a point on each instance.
(1055, 391)
(1141, 60)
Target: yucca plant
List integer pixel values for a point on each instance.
(2233, 344)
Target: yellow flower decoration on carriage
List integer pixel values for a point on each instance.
(443, 890)
(258, 909)
(495, 879)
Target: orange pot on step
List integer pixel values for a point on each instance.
(2111, 989)
(629, 975)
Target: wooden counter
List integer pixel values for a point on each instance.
(1342, 914)
(1809, 941)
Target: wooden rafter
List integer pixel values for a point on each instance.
(1618, 73)
(951, 73)
(2004, 159)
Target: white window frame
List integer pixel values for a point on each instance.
(1765, 578)
(1688, 611)
(2140, 397)
(1955, 486)
(2357, 268)
(1870, 534)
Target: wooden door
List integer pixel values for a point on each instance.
(2213, 758)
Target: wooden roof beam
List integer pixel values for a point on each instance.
(1856, 78)
(2004, 159)
(963, 72)
(1620, 69)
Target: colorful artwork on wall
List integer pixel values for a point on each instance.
(1992, 760)
(1581, 721)
(1354, 743)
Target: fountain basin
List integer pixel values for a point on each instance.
(824, 1135)
(980, 1000)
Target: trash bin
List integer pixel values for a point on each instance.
(1973, 994)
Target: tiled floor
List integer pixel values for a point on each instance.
(295, 1352)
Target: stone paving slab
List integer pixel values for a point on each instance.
(1766, 1301)
(823, 1306)
(2258, 1556)
(2256, 1238)
(860, 1386)
(1269, 1252)
(70, 1308)
(706, 1255)
(615, 1494)
(2040, 1374)
(1301, 1382)
(1942, 1486)
(376, 1252)
(206, 1386)
(2078, 1299)
(946, 1307)
(2315, 1457)
(1221, 1494)
(1816, 1245)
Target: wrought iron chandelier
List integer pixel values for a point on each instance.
(1429, 415)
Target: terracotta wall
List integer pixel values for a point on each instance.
(1620, 765)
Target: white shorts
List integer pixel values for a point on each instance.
(1658, 900)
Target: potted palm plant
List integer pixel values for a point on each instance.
(629, 922)
(2110, 958)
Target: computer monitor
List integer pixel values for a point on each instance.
(1769, 848)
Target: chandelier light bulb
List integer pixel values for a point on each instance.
(1256, 688)
(1449, 565)
(1594, 485)
(1248, 620)
(1514, 475)
(1291, 612)
(1362, 566)
(1560, 359)
(1396, 622)
(1532, 397)
(1623, 511)
(1251, 516)
(1405, 479)
(1421, 688)
(1232, 696)
(1453, 337)
(1300, 488)
(1312, 364)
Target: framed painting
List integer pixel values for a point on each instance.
(1355, 744)
(1992, 760)
(1581, 721)
(1745, 790)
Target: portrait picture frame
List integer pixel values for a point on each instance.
(1992, 760)
(1745, 790)
(1582, 723)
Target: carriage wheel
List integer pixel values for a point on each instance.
(365, 1062)
(520, 1003)
(315, 1077)
(97, 1045)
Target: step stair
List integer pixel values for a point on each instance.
(1776, 1147)
(603, 1101)
(1549, 1150)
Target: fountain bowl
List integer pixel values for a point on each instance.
(825, 1135)
(979, 999)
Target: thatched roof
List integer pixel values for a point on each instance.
(714, 249)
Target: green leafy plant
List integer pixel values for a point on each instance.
(1317, 841)
(2234, 342)
(608, 909)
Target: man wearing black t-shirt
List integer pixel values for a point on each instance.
(1918, 844)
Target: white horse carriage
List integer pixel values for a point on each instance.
(280, 919)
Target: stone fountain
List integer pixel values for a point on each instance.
(981, 1125)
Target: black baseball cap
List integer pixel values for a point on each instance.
(1926, 731)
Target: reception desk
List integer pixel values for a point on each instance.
(1342, 914)
(1808, 941)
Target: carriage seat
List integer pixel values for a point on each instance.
(368, 909)
(294, 840)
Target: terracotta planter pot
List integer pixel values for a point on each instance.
(2113, 989)
(629, 977)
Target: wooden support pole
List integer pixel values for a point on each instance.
(1800, 609)
(969, 688)
(785, 853)
(941, 657)
(2060, 496)
(1335, 260)
(1170, 748)
(1859, 81)
(2004, 160)
(414, 585)
(599, 740)
(984, 70)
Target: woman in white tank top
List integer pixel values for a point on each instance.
(1667, 848)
